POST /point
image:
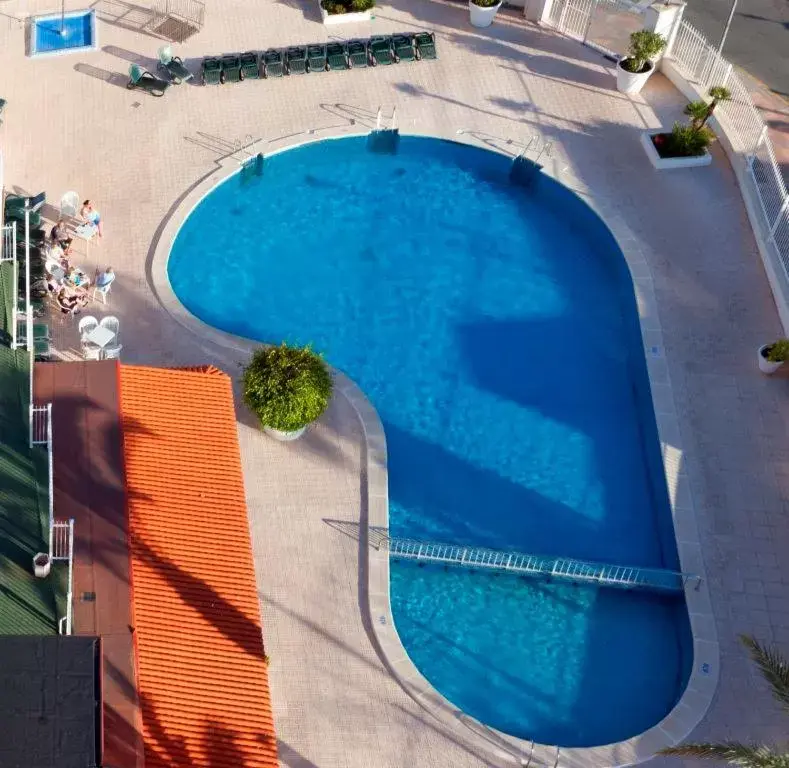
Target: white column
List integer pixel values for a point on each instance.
(664, 19)
(537, 10)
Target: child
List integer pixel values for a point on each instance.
(91, 215)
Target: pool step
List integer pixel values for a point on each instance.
(622, 576)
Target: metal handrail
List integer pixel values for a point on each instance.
(605, 574)
(61, 537)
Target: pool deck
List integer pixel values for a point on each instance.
(70, 124)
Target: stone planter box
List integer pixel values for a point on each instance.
(344, 18)
(667, 163)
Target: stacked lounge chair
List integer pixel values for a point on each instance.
(250, 66)
(381, 51)
(273, 64)
(337, 56)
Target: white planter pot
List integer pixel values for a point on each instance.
(632, 82)
(667, 163)
(482, 17)
(765, 366)
(284, 437)
(41, 565)
(329, 19)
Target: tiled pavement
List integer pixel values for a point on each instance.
(71, 124)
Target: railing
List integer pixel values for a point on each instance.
(61, 548)
(41, 434)
(8, 253)
(699, 63)
(190, 11)
(628, 577)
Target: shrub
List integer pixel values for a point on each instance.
(778, 352)
(359, 6)
(644, 46)
(333, 7)
(287, 387)
(687, 141)
(485, 3)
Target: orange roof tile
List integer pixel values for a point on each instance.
(203, 681)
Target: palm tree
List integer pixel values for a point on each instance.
(700, 111)
(775, 669)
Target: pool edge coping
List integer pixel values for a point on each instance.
(702, 683)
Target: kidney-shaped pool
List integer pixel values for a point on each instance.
(494, 327)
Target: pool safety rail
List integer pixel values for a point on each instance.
(622, 576)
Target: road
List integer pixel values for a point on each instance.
(758, 40)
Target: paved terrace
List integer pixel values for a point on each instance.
(71, 124)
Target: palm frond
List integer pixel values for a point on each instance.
(773, 666)
(733, 752)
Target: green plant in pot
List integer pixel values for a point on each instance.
(773, 356)
(287, 388)
(633, 70)
(482, 12)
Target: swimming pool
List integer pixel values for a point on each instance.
(494, 328)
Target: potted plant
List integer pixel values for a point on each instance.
(773, 356)
(342, 11)
(42, 565)
(287, 388)
(686, 145)
(633, 70)
(482, 12)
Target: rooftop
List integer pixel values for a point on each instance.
(203, 681)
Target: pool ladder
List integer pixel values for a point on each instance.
(563, 568)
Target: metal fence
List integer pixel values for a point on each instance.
(61, 548)
(8, 253)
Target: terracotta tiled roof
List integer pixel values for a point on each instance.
(203, 682)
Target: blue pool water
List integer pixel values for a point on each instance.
(77, 32)
(494, 328)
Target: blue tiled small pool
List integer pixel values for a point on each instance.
(494, 327)
(76, 31)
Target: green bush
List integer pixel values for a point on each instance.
(346, 6)
(688, 141)
(644, 46)
(778, 352)
(485, 3)
(287, 387)
(359, 6)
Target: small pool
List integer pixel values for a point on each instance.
(494, 327)
(54, 34)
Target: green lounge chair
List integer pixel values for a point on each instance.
(316, 58)
(381, 51)
(212, 71)
(358, 55)
(145, 81)
(337, 56)
(404, 49)
(231, 69)
(425, 45)
(250, 66)
(173, 66)
(296, 60)
(41, 349)
(273, 65)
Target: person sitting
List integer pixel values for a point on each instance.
(105, 278)
(68, 302)
(59, 235)
(77, 278)
(89, 214)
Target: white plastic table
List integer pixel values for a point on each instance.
(100, 336)
(86, 232)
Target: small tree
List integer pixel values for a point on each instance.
(701, 111)
(644, 46)
(287, 387)
(775, 670)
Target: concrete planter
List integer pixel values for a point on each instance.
(482, 17)
(765, 365)
(330, 19)
(284, 437)
(631, 82)
(667, 163)
(42, 564)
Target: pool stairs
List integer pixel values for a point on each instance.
(383, 141)
(252, 167)
(622, 576)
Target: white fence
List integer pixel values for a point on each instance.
(61, 548)
(8, 253)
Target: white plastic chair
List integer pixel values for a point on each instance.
(86, 325)
(111, 323)
(113, 353)
(54, 269)
(102, 291)
(69, 205)
(91, 351)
